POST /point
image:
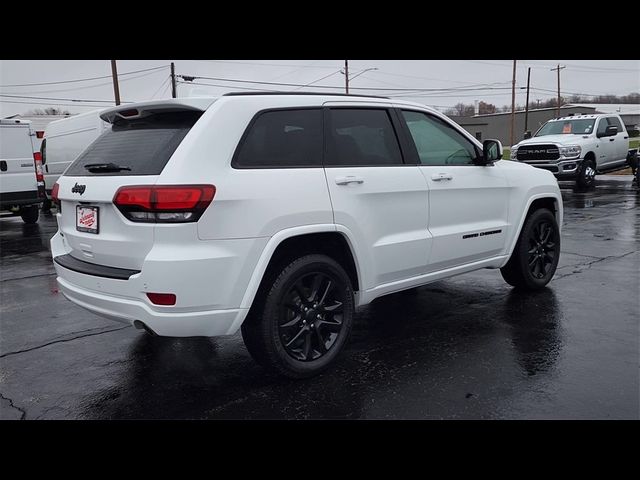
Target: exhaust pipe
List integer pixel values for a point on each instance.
(143, 326)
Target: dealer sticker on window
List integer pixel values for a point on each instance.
(87, 219)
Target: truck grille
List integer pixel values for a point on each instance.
(527, 153)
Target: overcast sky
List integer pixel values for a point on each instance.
(444, 83)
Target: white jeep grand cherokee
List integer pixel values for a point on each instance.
(281, 213)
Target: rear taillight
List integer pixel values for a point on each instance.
(164, 203)
(37, 162)
(54, 194)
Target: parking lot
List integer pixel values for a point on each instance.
(467, 348)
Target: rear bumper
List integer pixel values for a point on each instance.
(12, 199)
(171, 324)
(208, 286)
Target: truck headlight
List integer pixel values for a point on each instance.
(514, 153)
(572, 151)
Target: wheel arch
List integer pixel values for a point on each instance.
(294, 242)
(551, 201)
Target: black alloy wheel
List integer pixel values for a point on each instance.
(311, 316)
(542, 249)
(535, 257)
(302, 316)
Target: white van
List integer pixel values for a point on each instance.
(65, 139)
(21, 180)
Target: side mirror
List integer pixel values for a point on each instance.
(610, 131)
(527, 134)
(491, 152)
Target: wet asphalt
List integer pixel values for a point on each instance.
(465, 348)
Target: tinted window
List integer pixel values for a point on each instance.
(143, 145)
(437, 142)
(602, 125)
(362, 137)
(283, 138)
(616, 123)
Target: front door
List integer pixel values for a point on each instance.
(382, 201)
(468, 203)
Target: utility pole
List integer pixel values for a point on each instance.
(173, 80)
(346, 76)
(116, 88)
(513, 103)
(526, 108)
(558, 68)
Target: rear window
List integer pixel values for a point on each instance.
(138, 146)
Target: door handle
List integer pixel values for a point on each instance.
(349, 179)
(438, 177)
(611, 139)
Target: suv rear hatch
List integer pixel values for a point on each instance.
(133, 152)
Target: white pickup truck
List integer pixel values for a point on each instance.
(577, 147)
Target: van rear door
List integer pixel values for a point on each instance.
(17, 169)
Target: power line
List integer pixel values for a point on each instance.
(82, 79)
(270, 64)
(60, 99)
(167, 79)
(407, 89)
(88, 86)
(57, 104)
(229, 86)
(311, 83)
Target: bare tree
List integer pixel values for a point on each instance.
(48, 111)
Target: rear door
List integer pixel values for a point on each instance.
(621, 140)
(468, 203)
(17, 170)
(606, 146)
(379, 198)
(135, 151)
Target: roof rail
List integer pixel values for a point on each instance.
(326, 94)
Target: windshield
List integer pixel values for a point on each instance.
(567, 127)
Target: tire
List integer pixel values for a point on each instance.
(535, 257)
(287, 339)
(30, 214)
(586, 173)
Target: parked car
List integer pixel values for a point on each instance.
(21, 181)
(65, 139)
(280, 214)
(577, 147)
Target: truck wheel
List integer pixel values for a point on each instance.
(535, 257)
(302, 323)
(30, 214)
(586, 173)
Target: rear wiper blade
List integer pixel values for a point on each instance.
(105, 167)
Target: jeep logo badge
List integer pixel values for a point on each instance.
(78, 188)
